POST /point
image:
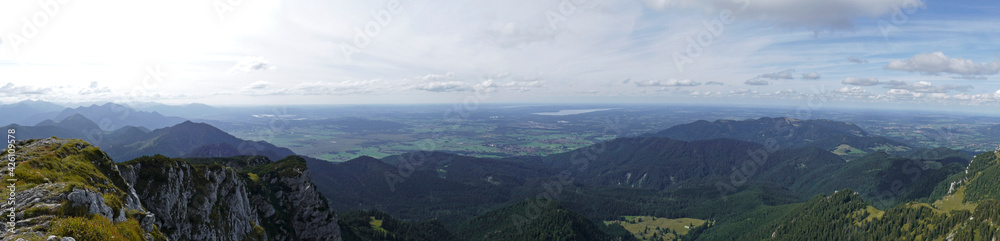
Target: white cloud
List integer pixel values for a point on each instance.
(487, 86)
(851, 90)
(337, 88)
(521, 86)
(258, 85)
(251, 64)
(812, 76)
(860, 81)
(670, 82)
(941, 98)
(599, 45)
(756, 81)
(787, 74)
(786, 92)
(901, 93)
(852, 59)
(94, 89)
(312, 88)
(436, 77)
(828, 14)
(490, 86)
(10, 89)
(925, 87)
(937, 63)
(442, 86)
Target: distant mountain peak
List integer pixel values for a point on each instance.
(362, 159)
(197, 125)
(75, 122)
(75, 116)
(79, 119)
(113, 116)
(192, 139)
(46, 123)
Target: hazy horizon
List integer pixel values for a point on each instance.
(791, 106)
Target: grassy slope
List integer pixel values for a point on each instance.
(75, 164)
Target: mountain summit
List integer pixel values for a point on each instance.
(111, 116)
(189, 139)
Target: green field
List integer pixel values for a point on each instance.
(844, 150)
(954, 201)
(517, 132)
(479, 139)
(655, 228)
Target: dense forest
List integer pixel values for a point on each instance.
(755, 212)
(800, 192)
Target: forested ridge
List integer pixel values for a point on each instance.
(795, 192)
(756, 212)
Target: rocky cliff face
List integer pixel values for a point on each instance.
(193, 203)
(287, 200)
(211, 201)
(70, 190)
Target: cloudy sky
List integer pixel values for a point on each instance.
(245, 52)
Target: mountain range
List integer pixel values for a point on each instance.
(744, 179)
(108, 116)
(789, 133)
(186, 139)
(16, 112)
(652, 175)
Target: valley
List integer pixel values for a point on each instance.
(587, 176)
(502, 131)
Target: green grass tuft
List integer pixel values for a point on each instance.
(97, 227)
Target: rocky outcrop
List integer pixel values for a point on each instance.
(311, 216)
(212, 200)
(193, 203)
(304, 214)
(70, 190)
(65, 185)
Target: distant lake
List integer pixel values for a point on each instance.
(571, 112)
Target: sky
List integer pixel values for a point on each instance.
(292, 52)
